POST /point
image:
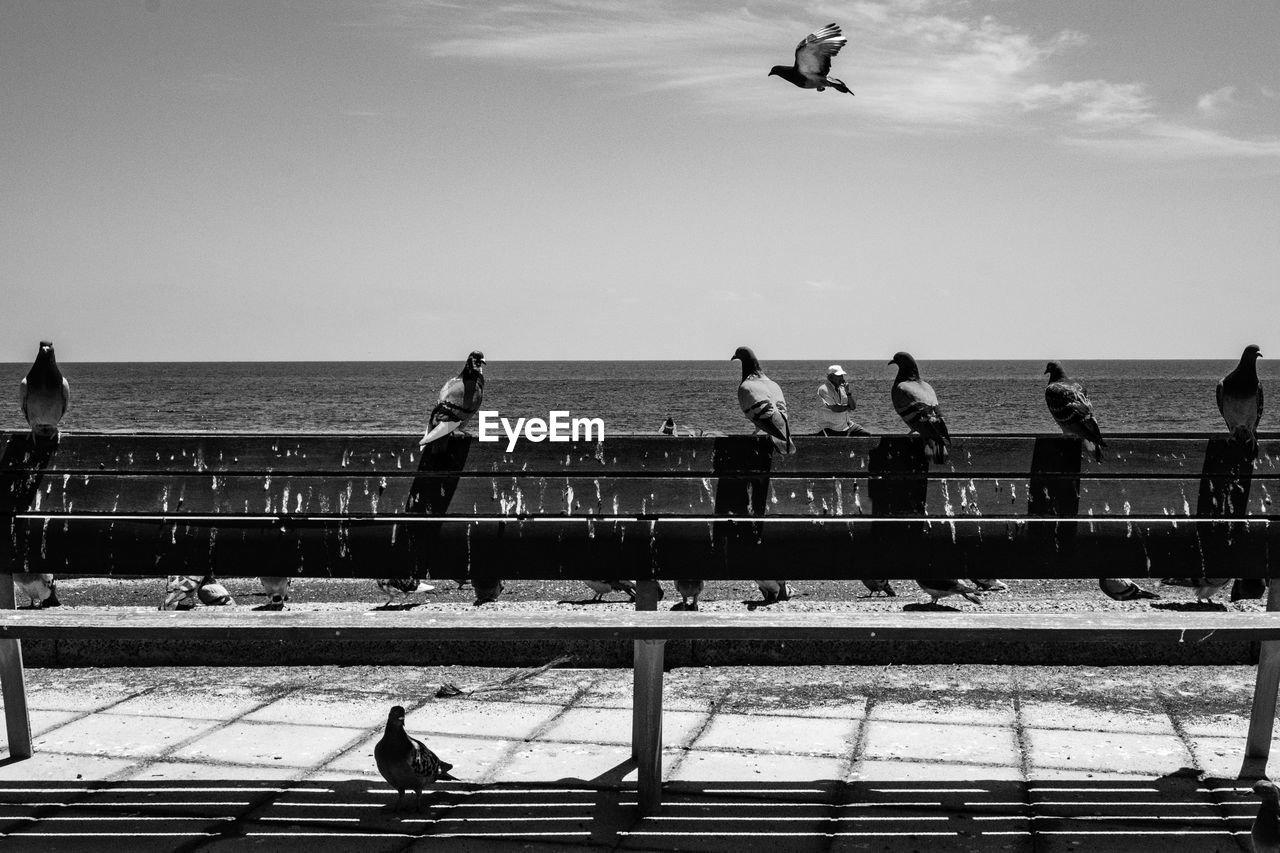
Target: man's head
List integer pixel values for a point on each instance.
(835, 374)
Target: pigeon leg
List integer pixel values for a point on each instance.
(418, 804)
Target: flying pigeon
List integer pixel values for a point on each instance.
(487, 590)
(813, 61)
(41, 589)
(180, 592)
(1123, 589)
(459, 400)
(937, 588)
(405, 586)
(762, 401)
(1205, 588)
(603, 588)
(917, 405)
(406, 762)
(879, 586)
(1069, 404)
(1240, 401)
(775, 591)
(688, 590)
(213, 594)
(990, 585)
(45, 394)
(277, 589)
(1265, 832)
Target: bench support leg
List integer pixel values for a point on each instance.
(13, 685)
(646, 724)
(1263, 717)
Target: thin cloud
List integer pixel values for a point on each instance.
(1211, 103)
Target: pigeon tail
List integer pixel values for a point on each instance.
(438, 432)
(838, 85)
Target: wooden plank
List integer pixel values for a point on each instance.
(389, 454)
(626, 497)
(302, 626)
(667, 548)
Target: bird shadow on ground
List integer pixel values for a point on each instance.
(1189, 606)
(886, 811)
(589, 601)
(925, 607)
(406, 605)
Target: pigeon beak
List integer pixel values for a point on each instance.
(891, 362)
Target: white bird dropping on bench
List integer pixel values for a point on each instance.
(1069, 404)
(813, 61)
(603, 588)
(277, 590)
(460, 399)
(1265, 832)
(917, 404)
(937, 588)
(405, 586)
(1240, 401)
(762, 401)
(406, 762)
(44, 394)
(1123, 589)
(41, 589)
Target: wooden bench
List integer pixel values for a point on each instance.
(648, 508)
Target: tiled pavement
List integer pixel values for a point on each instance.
(778, 759)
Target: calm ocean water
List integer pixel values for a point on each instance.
(631, 396)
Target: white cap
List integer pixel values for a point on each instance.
(835, 370)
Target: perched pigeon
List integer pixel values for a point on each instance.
(1265, 832)
(41, 589)
(917, 405)
(1069, 404)
(405, 586)
(213, 594)
(1123, 589)
(180, 592)
(406, 762)
(277, 590)
(688, 590)
(44, 394)
(937, 588)
(762, 401)
(459, 400)
(1240, 401)
(813, 61)
(603, 588)
(879, 586)
(487, 590)
(775, 591)
(990, 585)
(1205, 588)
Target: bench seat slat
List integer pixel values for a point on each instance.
(301, 626)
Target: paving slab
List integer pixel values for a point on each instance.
(613, 725)
(125, 735)
(938, 740)
(258, 744)
(1107, 751)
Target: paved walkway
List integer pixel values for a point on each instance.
(808, 758)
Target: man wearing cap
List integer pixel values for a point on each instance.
(835, 415)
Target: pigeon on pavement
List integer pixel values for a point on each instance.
(937, 588)
(688, 590)
(41, 589)
(1069, 404)
(813, 61)
(1123, 589)
(277, 590)
(879, 586)
(44, 394)
(775, 591)
(213, 594)
(762, 401)
(1265, 832)
(1205, 588)
(460, 399)
(487, 590)
(917, 405)
(405, 762)
(180, 592)
(603, 588)
(405, 586)
(1240, 401)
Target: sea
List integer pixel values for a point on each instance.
(630, 396)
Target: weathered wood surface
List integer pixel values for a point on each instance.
(604, 496)
(392, 455)
(668, 548)
(301, 626)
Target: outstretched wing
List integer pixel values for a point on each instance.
(814, 52)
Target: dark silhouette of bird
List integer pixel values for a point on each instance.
(603, 588)
(762, 401)
(813, 61)
(41, 589)
(407, 587)
(775, 591)
(487, 590)
(1069, 404)
(460, 399)
(879, 587)
(1240, 401)
(917, 404)
(45, 394)
(688, 590)
(1265, 832)
(1123, 589)
(213, 594)
(405, 762)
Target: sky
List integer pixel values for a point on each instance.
(619, 179)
